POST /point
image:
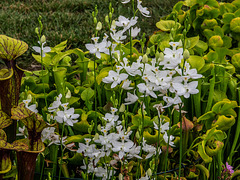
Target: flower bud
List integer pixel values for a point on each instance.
(180, 43)
(128, 129)
(99, 26)
(96, 137)
(68, 94)
(29, 97)
(120, 176)
(186, 54)
(99, 127)
(113, 23)
(43, 39)
(122, 108)
(149, 172)
(110, 15)
(107, 19)
(95, 20)
(116, 56)
(148, 51)
(145, 58)
(122, 122)
(137, 135)
(161, 57)
(37, 31)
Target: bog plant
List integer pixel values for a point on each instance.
(128, 108)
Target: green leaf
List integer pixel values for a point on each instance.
(215, 41)
(138, 118)
(218, 30)
(208, 33)
(224, 123)
(227, 18)
(167, 25)
(211, 56)
(77, 138)
(192, 42)
(81, 126)
(235, 174)
(59, 47)
(5, 120)
(100, 76)
(76, 159)
(235, 25)
(11, 48)
(210, 116)
(87, 94)
(151, 139)
(202, 153)
(209, 23)
(196, 62)
(200, 47)
(236, 61)
(203, 169)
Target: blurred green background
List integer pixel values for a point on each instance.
(69, 20)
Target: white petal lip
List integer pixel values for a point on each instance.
(37, 49)
(126, 1)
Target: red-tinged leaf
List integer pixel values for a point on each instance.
(5, 145)
(21, 112)
(11, 48)
(21, 145)
(5, 120)
(5, 161)
(3, 135)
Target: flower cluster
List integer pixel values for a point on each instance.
(66, 115)
(118, 144)
(226, 172)
(161, 77)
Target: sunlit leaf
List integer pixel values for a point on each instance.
(87, 94)
(167, 25)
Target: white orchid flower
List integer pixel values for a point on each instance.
(43, 49)
(135, 31)
(131, 98)
(144, 11)
(67, 116)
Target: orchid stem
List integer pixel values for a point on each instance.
(60, 169)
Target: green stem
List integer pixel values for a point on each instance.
(42, 170)
(59, 174)
(237, 133)
(95, 97)
(181, 143)
(211, 91)
(158, 138)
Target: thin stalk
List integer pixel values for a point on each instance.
(166, 157)
(237, 133)
(42, 170)
(95, 97)
(59, 174)
(142, 130)
(181, 143)
(211, 91)
(44, 91)
(158, 138)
